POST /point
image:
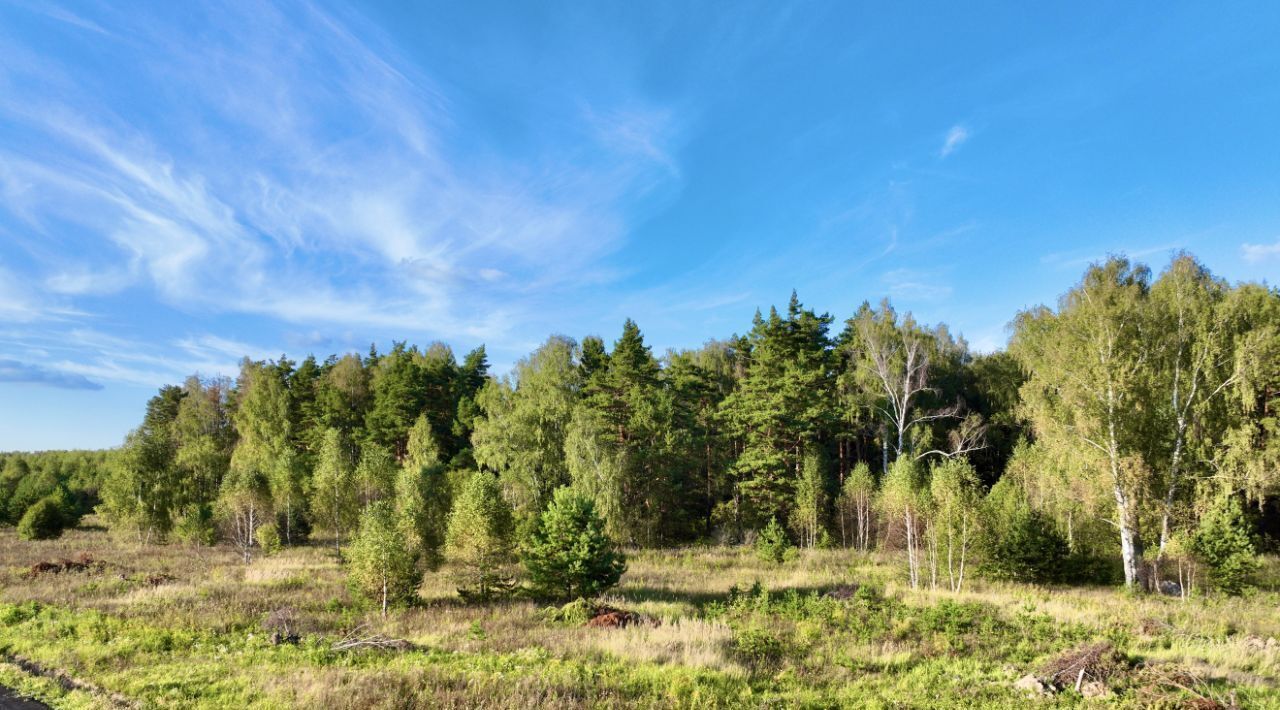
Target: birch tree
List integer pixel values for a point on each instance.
(857, 498)
(334, 499)
(1088, 386)
(953, 491)
(904, 497)
(892, 359)
(1193, 373)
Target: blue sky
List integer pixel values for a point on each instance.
(184, 184)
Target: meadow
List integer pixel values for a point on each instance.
(175, 626)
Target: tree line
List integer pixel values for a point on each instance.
(1118, 426)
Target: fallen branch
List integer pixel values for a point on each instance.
(353, 640)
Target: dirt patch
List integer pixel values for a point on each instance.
(80, 563)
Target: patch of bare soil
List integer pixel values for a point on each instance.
(80, 563)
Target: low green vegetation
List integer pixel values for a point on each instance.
(707, 627)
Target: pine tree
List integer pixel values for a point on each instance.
(782, 404)
(398, 395)
(568, 555)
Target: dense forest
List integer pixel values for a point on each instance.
(1129, 430)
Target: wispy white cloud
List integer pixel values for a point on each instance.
(264, 191)
(1076, 259)
(915, 286)
(22, 302)
(957, 136)
(1254, 253)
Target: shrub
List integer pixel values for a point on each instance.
(195, 526)
(575, 613)
(42, 521)
(773, 545)
(1225, 546)
(268, 538)
(568, 554)
(759, 647)
(1025, 547)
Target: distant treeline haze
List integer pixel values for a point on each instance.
(1118, 420)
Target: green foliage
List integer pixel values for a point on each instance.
(42, 521)
(334, 499)
(574, 613)
(382, 567)
(423, 496)
(479, 538)
(142, 488)
(854, 507)
(808, 514)
(375, 473)
(712, 442)
(773, 545)
(597, 468)
(1224, 544)
(195, 525)
(782, 402)
(1024, 546)
(568, 554)
(268, 538)
(522, 433)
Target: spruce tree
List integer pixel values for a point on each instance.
(1223, 542)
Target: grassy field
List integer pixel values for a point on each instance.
(178, 627)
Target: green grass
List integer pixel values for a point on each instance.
(735, 632)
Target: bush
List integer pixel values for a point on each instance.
(268, 538)
(773, 545)
(1025, 547)
(42, 521)
(568, 554)
(195, 526)
(1225, 546)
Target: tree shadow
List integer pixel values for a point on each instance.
(701, 599)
